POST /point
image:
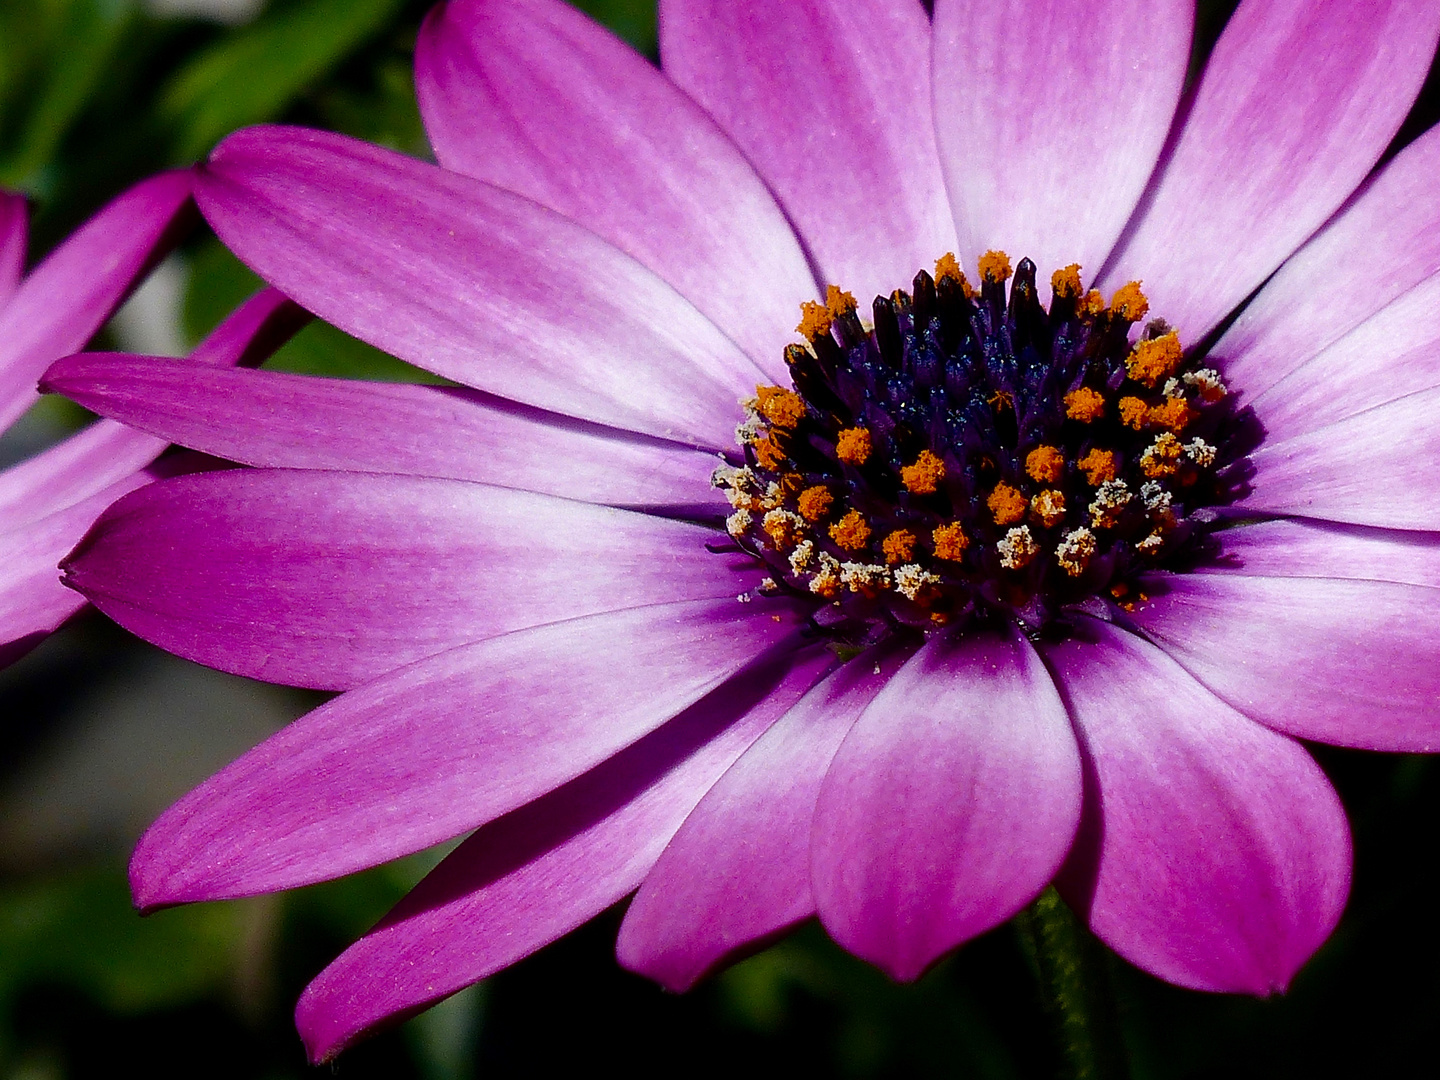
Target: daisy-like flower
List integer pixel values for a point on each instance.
(48, 501)
(894, 619)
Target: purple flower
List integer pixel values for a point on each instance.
(1006, 594)
(49, 501)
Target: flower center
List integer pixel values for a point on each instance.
(970, 454)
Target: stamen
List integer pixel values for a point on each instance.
(814, 503)
(1075, 551)
(1006, 504)
(1085, 405)
(1049, 507)
(1045, 464)
(1065, 282)
(1155, 359)
(950, 542)
(1018, 549)
(853, 446)
(899, 546)
(851, 532)
(783, 408)
(994, 266)
(1162, 458)
(924, 476)
(1098, 466)
(1129, 302)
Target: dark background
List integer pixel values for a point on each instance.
(99, 732)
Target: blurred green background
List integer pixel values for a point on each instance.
(98, 732)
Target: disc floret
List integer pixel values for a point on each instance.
(968, 451)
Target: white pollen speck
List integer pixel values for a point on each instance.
(744, 598)
(877, 670)
(1200, 452)
(911, 579)
(1018, 548)
(1075, 551)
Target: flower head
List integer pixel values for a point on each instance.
(969, 606)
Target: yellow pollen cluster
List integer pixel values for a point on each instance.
(814, 320)
(838, 302)
(783, 408)
(1098, 466)
(1173, 413)
(1155, 359)
(923, 477)
(948, 268)
(814, 503)
(1085, 405)
(1129, 302)
(851, 532)
(1134, 412)
(1049, 508)
(950, 542)
(1066, 282)
(1163, 457)
(899, 546)
(853, 446)
(1006, 504)
(1045, 464)
(768, 454)
(1093, 304)
(994, 266)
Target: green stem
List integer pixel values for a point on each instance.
(1075, 987)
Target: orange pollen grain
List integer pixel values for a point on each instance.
(948, 267)
(1098, 466)
(1162, 458)
(1155, 359)
(851, 532)
(838, 302)
(1174, 414)
(994, 266)
(1007, 504)
(923, 477)
(1065, 282)
(768, 454)
(1045, 464)
(1084, 405)
(1093, 304)
(950, 542)
(1129, 302)
(814, 503)
(899, 546)
(814, 320)
(1133, 412)
(783, 408)
(853, 446)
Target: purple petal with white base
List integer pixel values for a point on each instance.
(526, 879)
(1121, 64)
(443, 746)
(949, 806)
(1371, 469)
(830, 99)
(1215, 854)
(1337, 660)
(262, 573)
(1384, 243)
(60, 305)
(533, 96)
(415, 430)
(1296, 105)
(472, 282)
(738, 871)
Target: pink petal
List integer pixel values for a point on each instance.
(473, 283)
(105, 453)
(1388, 238)
(535, 97)
(61, 304)
(739, 868)
(14, 237)
(526, 879)
(1214, 853)
(1393, 353)
(1298, 101)
(443, 746)
(274, 419)
(332, 579)
(32, 600)
(830, 99)
(1343, 661)
(1376, 468)
(1322, 549)
(1050, 117)
(950, 805)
